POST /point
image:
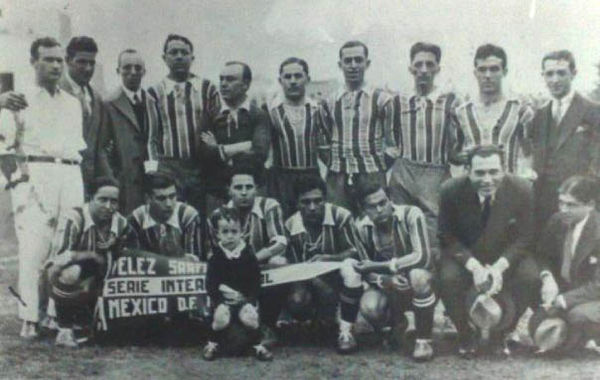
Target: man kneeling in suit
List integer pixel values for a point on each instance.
(569, 256)
(485, 230)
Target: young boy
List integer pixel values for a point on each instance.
(233, 285)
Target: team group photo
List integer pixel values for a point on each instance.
(349, 225)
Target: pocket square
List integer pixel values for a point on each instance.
(581, 128)
(593, 260)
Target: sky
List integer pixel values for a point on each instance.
(265, 32)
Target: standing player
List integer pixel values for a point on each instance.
(359, 120)
(81, 63)
(319, 231)
(493, 118)
(398, 270)
(48, 141)
(186, 104)
(426, 138)
(85, 238)
(295, 133)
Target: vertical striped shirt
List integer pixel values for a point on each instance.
(184, 226)
(423, 127)
(184, 109)
(508, 131)
(263, 228)
(410, 248)
(77, 231)
(295, 132)
(359, 123)
(337, 235)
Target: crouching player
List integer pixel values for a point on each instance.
(233, 285)
(84, 241)
(318, 231)
(394, 237)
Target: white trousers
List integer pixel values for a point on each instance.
(52, 190)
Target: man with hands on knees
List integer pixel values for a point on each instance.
(233, 284)
(485, 230)
(84, 240)
(318, 231)
(569, 258)
(398, 267)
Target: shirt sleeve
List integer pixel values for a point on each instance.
(194, 238)
(420, 257)
(275, 227)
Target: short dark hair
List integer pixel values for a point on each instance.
(582, 188)
(309, 182)
(246, 72)
(485, 151)
(46, 42)
(229, 214)
(157, 180)
(291, 60)
(243, 168)
(366, 187)
(177, 37)
(126, 51)
(79, 44)
(560, 55)
(426, 47)
(489, 50)
(351, 44)
(101, 182)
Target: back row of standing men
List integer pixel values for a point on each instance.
(185, 127)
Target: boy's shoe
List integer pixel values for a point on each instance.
(66, 338)
(423, 350)
(262, 353)
(346, 343)
(29, 330)
(211, 350)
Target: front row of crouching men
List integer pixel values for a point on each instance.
(490, 270)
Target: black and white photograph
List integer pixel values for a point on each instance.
(284, 189)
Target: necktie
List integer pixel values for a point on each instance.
(485, 210)
(136, 100)
(565, 269)
(85, 106)
(558, 111)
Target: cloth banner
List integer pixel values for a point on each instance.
(144, 285)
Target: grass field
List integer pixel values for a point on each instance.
(41, 360)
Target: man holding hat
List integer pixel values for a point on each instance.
(485, 229)
(569, 256)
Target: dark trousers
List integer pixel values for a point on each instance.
(455, 280)
(341, 188)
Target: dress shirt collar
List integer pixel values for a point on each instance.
(244, 105)
(150, 222)
(565, 103)
(77, 89)
(88, 222)
(234, 253)
(255, 207)
(482, 198)
(130, 94)
(297, 223)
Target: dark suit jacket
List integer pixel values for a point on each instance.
(129, 142)
(585, 265)
(252, 125)
(95, 158)
(574, 149)
(509, 229)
